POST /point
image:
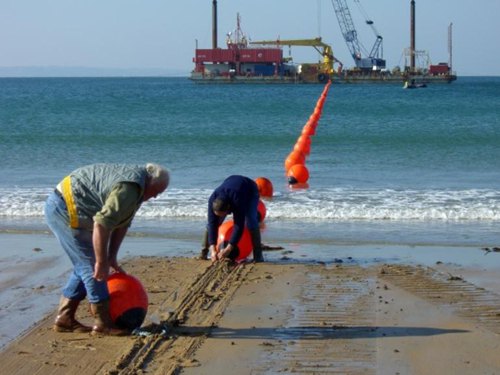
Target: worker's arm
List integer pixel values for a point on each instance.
(100, 239)
(111, 225)
(115, 242)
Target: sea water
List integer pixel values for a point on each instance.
(395, 175)
(387, 165)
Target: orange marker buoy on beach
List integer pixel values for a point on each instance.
(298, 173)
(265, 187)
(128, 301)
(261, 211)
(295, 157)
(244, 246)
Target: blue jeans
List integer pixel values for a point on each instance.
(77, 243)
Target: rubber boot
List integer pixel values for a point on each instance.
(65, 319)
(203, 254)
(257, 245)
(103, 325)
(204, 247)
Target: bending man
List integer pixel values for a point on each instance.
(90, 212)
(238, 195)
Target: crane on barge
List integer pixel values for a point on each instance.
(325, 50)
(374, 60)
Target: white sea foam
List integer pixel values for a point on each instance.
(337, 204)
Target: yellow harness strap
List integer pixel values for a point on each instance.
(70, 202)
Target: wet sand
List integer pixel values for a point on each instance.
(287, 318)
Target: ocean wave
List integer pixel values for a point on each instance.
(331, 204)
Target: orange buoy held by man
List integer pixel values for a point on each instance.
(128, 301)
(242, 249)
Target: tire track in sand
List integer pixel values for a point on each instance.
(334, 307)
(198, 311)
(465, 299)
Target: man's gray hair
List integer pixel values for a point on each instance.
(158, 174)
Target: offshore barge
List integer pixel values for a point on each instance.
(263, 61)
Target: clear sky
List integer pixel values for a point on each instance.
(159, 36)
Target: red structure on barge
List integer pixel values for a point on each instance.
(238, 61)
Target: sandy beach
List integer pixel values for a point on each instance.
(286, 316)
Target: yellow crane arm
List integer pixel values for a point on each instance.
(292, 42)
(316, 43)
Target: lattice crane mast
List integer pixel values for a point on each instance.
(374, 60)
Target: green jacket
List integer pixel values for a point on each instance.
(107, 193)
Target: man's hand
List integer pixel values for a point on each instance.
(226, 251)
(101, 271)
(213, 253)
(115, 267)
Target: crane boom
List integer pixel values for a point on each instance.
(347, 28)
(323, 49)
(373, 61)
(377, 46)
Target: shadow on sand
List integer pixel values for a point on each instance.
(311, 333)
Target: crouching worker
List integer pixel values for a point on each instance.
(238, 195)
(90, 212)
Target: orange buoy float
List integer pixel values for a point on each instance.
(303, 145)
(244, 246)
(298, 173)
(128, 300)
(295, 157)
(265, 187)
(309, 129)
(304, 138)
(312, 121)
(261, 211)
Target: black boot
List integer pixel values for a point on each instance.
(257, 245)
(203, 254)
(204, 247)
